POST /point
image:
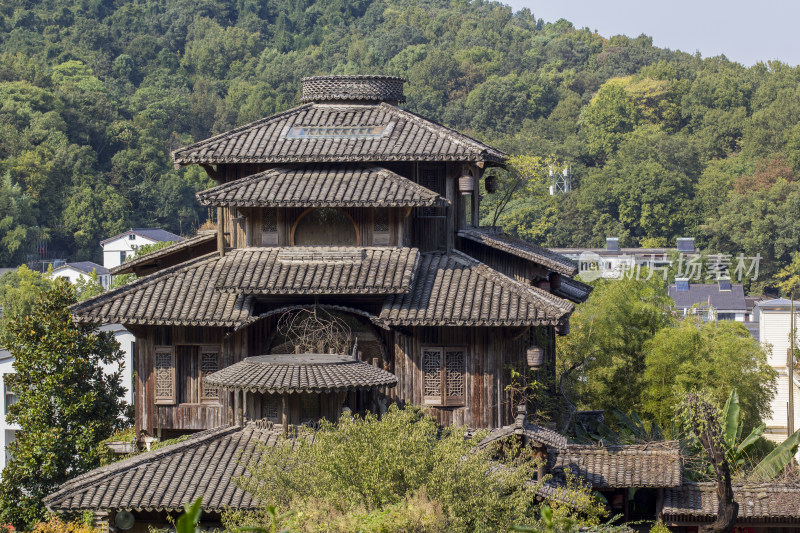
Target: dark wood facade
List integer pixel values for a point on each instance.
(276, 189)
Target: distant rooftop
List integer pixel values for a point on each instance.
(84, 266)
(778, 302)
(704, 294)
(154, 234)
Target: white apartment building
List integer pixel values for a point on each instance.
(774, 332)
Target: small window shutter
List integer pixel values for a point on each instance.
(454, 376)
(209, 363)
(432, 375)
(269, 226)
(165, 375)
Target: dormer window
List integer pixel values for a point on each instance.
(325, 226)
(132, 237)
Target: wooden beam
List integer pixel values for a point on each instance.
(213, 173)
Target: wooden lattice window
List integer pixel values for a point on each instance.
(269, 226)
(444, 372)
(380, 226)
(209, 363)
(164, 370)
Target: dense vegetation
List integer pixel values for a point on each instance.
(402, 472)
(94, 94)
(627, 350)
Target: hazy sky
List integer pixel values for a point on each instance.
(745, 31)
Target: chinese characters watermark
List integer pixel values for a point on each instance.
(689, 266)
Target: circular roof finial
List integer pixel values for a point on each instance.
(387, 89)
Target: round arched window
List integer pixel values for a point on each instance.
(325, 226)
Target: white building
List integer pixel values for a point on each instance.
(7, 431)
(83, 269)
(774, 332)
(119, 247)
(613, 262)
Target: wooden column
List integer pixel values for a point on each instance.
(285, 414)
(237, 408)
(220, 231)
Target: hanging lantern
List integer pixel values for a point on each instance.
(490, 183)
(466, 184)
(535, 357)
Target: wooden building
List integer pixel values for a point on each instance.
(351, 206)
(354, 205)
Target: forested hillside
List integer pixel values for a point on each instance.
(95, 93)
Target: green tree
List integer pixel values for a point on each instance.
(20, 289)
(66, 403)
(713, 356)
(601, 363)
(610, 115)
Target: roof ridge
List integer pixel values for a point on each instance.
(234, 131)
(140, 283)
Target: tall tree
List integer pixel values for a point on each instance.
(66, 403)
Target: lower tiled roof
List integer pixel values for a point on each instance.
(656, 464)
(524, 249)
(181, 295)
(453, 289)
(318, 270)
(205, 464)
(763, 502)
(301, 373)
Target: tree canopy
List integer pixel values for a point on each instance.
(66, 402)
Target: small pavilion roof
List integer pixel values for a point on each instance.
(290, 373)
(206, 464)
(322, 185)
(339, 132)
(758, 503)
(453, 289)
(573, 290)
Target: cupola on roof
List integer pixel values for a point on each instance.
(353, 89)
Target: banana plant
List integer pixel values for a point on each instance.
(769, 467)
(732, 432)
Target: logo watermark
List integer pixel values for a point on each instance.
(689, 266)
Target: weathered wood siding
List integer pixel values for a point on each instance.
(489, 353)
(189, 413)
